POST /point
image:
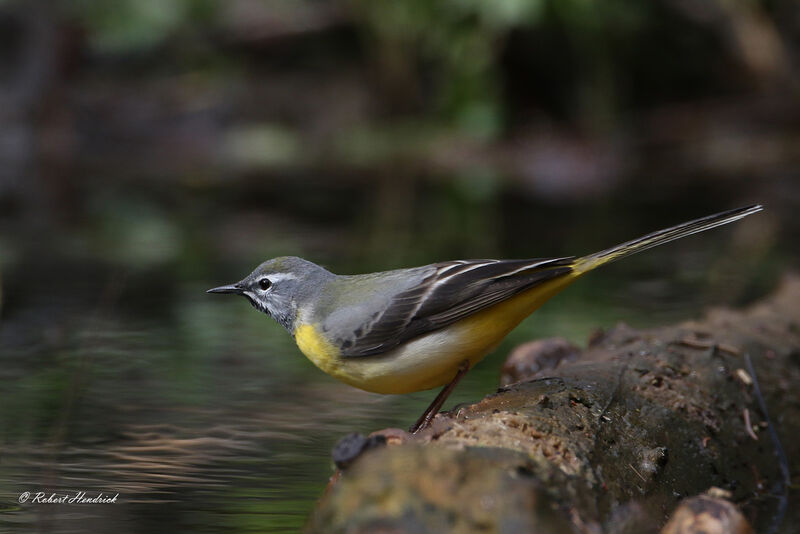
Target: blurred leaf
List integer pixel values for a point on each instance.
(262, 145)
(129, 25)
(134, 232)
(458, 44)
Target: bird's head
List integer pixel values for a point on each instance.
(278, 286)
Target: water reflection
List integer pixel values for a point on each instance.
(132, 412)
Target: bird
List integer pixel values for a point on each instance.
(414, 329)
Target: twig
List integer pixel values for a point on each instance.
(637, 472)
(748, 426)
(783, 462)
(697, 344)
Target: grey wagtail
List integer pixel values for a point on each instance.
(414, 329)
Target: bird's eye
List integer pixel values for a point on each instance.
(264, 284)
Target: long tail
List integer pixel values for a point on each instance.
(660, 237)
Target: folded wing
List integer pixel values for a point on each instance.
(452, 291)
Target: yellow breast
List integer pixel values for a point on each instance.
(316, 348)
(432, 359)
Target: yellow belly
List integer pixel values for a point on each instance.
(432, 359)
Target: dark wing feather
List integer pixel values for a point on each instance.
(453, 291)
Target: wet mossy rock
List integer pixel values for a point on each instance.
(445, 489)
(610, 442)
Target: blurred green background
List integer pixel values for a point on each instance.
(151, 149)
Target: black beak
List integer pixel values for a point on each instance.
(234, 289)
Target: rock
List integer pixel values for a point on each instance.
(529, 360)
(414, 489)
(707, 515)
(352, 446)
(613, 443)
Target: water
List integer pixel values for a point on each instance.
(120, 375)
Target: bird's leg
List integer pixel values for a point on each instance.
(427, 416)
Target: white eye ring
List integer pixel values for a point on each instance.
(264, 284)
